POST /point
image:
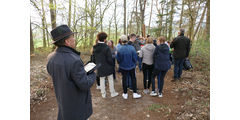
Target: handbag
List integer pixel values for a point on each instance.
(187, 64)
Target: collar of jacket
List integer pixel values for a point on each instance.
(100, 42)
(68, 49)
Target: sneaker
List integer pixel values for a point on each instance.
(135, 95)
(153, 93)
(103, 95)
(98, 87)
(160, 95)
(146, 91)
(114, 94)
(125, 96)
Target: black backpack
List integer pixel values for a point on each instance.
(187, 64)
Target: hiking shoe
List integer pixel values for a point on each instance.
(160, 95)
(153, 93)
(125, 96)
(135, 95)
(114, 94)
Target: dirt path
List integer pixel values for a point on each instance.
(187, 99)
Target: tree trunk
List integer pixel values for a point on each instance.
(101, 19)
(180, 23)
(52, 13)
(31, 40)
(86, 25)
(136, 17)
(115, 21)
(171, 20)
(208, 20)
(69, 13)
(201, 20)
(150, 18)
(142, 10)
(166, 23)
(125, 15)
(43, 26)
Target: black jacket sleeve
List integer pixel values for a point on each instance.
(80, 78)
(188, 47)
(109, 56)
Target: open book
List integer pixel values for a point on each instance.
(89, 66)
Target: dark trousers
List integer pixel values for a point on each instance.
(98, 81)
(114, 72)
(129, 81)
(124, 79)
(178, 67)
(161, 75)
(147, 75)
(139, 63)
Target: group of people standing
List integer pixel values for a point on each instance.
(153, 57)
(72, 84)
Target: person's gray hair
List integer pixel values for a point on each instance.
(182, 30)
(124, 38)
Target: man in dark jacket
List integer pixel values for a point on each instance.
(181, 45)
(102, 55)
(71, 83)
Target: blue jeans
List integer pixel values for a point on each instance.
(160, 76)
(161, 80)
(139, 63)
(178, 67)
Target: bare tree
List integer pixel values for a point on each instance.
(52, 13)
(200, 22)
(181, 16)
(171, 19)
(31, 40)
(124, 18)
(69, 13)
(160, 11)
(142, 4)
(150, 18)
(208, 20)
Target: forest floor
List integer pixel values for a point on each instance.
(187, 99)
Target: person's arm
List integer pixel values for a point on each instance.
(154, 54)
(141, 53)
(80, 77)
(188, 47)
(118, 57)
(172, 45)
(109, 56)
(135, 56)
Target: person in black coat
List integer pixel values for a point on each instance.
(71, 83)
(102, 55)
(181, 45)
(162, 64)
